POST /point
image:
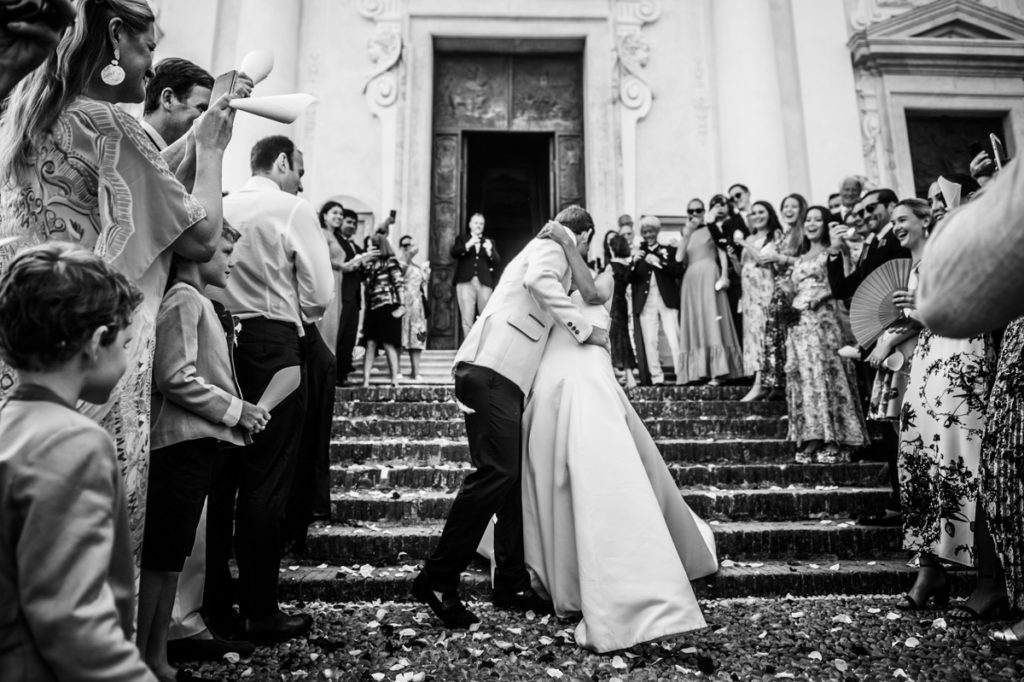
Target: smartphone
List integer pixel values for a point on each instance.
(224, 85)
(393, 214)
(998, 153)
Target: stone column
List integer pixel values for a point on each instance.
(278, 30)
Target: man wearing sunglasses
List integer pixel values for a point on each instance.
(880, 245)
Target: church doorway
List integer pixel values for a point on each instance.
(944, 144)
(508, 180)
(508, 143)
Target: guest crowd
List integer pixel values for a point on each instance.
(163, 343)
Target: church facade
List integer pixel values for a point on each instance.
(442, 108)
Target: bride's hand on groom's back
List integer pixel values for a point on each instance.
(559, 236)
(599, 337)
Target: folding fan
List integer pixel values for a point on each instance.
(872, 309)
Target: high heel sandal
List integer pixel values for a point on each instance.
(939, 595)
(1007, 641)
(997, 610)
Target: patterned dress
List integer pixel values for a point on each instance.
(1002, 468)
(821, 387)
(414, 321)
(942, 426)
(757, 285)
(99, 181)
(773, 355)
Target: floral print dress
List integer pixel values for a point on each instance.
(1002, 468)
(941, 431)
(757, 284)
(821, 387)
(773, 354)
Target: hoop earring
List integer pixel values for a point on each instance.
(112, 73)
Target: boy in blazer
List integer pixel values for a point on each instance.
(67, 587)
(494, 370)
(197, 411)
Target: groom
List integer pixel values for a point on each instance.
(494, 370)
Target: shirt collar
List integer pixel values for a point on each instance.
(158, 139)
(260, 183)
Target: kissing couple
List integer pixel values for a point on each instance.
(589, 519)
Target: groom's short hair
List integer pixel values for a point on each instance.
(575, 218)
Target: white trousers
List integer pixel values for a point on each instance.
(656, 313)
(473, 296)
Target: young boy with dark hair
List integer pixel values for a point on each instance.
(197, 412)
(66, 571)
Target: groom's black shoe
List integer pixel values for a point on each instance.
(449, 608)
(524, 600)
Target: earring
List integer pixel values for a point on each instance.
(112, 73)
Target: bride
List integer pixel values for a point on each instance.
(607, 533)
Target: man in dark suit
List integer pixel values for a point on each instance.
(880, 246)
(476, 257)
(655, 279)
(351, 293)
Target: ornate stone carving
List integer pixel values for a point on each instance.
(385, 51)
(872, 144)
(632, 88)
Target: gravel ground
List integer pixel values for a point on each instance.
(813, 638)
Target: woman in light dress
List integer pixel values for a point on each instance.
(414, 322)
(606, 532)
(942, 427)
(709, 349)
(825, 415)
(758, 281)
(331, 214)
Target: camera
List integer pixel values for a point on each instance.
(28, 11)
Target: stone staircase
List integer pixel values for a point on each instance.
(398, 456)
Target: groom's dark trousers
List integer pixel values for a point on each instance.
(494, 429)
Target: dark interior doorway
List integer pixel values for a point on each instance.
(944, 144)
(508, 180)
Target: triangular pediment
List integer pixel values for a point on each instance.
(951, 19)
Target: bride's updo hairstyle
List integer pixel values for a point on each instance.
(576, 219)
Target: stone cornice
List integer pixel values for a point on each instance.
(902, 44)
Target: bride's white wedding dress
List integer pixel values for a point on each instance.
(606, 530)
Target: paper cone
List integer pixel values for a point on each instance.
(950, 192)
(257, 65)
(282, 384)
(280, 108)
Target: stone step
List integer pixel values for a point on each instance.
(384, 394)
(384, 543)
(410, 506)
(749, 427)
(647, 409)
(437, 450)
(392, 474)
(334, 583)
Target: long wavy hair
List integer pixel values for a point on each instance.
(795, 240)
(773, 227)
(39, 99)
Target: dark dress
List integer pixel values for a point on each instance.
(622, 349)
(1002, 468)
(383, 283)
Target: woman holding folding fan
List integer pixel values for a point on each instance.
(941, 428)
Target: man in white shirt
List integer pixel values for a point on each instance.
(282, 278)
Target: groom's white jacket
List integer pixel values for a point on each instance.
(510, 335)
